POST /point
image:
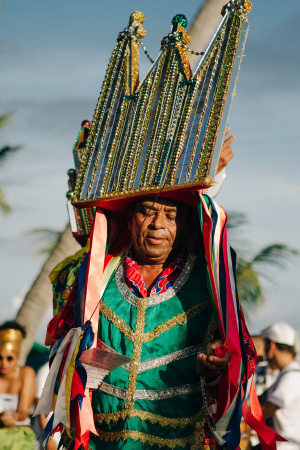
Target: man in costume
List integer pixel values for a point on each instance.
(157, 310)
(156, 282)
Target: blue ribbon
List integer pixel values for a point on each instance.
(86, 343)
(44, 437)
(81, 279)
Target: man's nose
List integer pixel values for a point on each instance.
(159, 220)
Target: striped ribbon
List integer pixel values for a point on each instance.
(231, 399)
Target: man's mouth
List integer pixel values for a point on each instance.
(155, 240)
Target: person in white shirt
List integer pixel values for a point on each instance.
(283, 400)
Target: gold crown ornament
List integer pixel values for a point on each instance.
(162, 136)
(11, 340)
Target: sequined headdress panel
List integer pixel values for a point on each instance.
(11, 340)
(165, 133)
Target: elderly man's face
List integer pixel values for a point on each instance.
(157, 229)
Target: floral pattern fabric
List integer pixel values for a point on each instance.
(167, 278)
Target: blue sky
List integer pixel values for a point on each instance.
(54, 55)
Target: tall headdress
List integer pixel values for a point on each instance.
(163, 135)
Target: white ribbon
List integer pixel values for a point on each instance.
(45, 403)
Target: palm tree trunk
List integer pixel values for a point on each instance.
(204, 26)
(39, 296)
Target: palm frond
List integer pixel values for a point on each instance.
(236, 220)
(3, 205)
(236, 237)
(275, 255)
(248, 284)
(48, 236)
(4, 151)
(4, 119)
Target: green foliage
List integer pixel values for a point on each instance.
(4, 120)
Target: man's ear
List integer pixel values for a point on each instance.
(273, 347)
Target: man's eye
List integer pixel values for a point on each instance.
(148, 212)
(171, 217)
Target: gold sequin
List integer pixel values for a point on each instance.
(202, 167)
(185, 62)
(247, 6)
(137, 16)
(137, 351)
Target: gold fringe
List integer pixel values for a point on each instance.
(173, 422)
(180, 319)
(144, 438)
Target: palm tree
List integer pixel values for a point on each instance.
(4, 152)
(250, 271)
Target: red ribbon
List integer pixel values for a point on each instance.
(255, 419)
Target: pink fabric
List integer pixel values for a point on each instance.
(95, 271)
(91, 311)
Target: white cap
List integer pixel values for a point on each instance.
(281, 333)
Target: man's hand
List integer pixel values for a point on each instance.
(210, 365)
(51, 444)
(226, 151)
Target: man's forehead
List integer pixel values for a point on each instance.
(158, 204)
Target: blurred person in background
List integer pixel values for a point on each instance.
(259, 344)
(283, 399)
(17, 391)
(264, 377)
